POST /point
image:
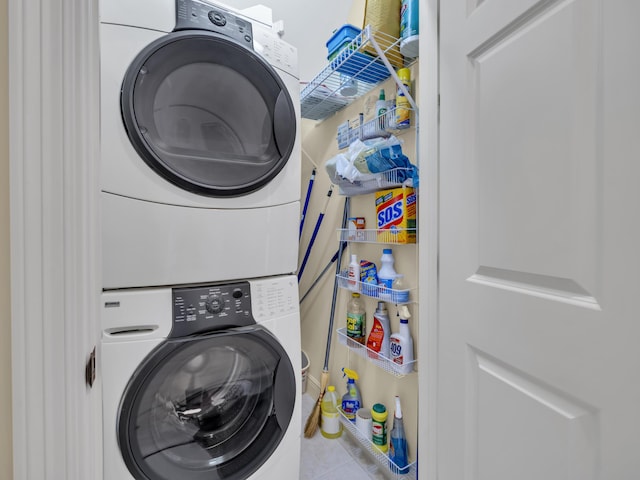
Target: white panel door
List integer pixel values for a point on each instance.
(539, 326)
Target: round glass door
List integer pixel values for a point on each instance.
(208, 114)
(211, 407)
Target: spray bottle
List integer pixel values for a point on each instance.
(398, 455)
(352, 400)
(401, 344)
(378, 340)
(381, 110)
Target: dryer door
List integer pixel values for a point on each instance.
(207, 407)
(208, 114)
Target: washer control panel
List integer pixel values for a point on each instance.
(196, 15)
(212, 307)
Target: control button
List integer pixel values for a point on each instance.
(217, 18)
(214, 304)
(247, 38)
(237, 294)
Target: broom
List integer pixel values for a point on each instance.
(314, 418)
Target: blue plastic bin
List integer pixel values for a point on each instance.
(341, 38)
(354, 64)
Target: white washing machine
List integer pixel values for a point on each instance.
(202, 383)
(200, 156)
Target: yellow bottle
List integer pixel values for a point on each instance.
(379, 427)
(403, 107)
(330, 426)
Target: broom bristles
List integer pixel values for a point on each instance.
(314, 418)
(313, 421)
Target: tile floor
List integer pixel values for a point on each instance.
(331, 459)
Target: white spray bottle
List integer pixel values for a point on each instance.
(401, 344)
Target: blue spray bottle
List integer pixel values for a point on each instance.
(398, 456)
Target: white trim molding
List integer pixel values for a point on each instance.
(429, 208)
(55, 268)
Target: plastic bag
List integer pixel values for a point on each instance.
(367, 160)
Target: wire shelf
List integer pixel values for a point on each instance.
(381, 126)
(362, 64)
(399, 297)
(376, 358)
(382, 459)
(396, 236)
(393, 178)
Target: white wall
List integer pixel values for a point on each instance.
(307, 25)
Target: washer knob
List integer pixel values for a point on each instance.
(214, 304)
(217, 18)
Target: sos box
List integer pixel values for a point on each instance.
(396, 215)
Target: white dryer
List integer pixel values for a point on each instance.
(202, 383)
(200, 156)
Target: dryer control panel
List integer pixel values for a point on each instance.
(213, 307)
(195, 15)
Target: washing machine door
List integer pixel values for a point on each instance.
(207, 407)
(208, 114)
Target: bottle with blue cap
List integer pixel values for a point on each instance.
(386, 274)
(352, 400)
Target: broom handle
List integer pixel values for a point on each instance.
(345, 216)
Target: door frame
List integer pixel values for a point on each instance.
(55, 235)
(54, 231)
(428, 247)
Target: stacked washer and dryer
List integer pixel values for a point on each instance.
(200, 175)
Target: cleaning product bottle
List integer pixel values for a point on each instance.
(409, 28)
(398, 456)
(378, 341)
(381, 110)
(356, 319)
(386, 274)
(353, 274)
(379, 427)
(403, 107)
(351, 401)
(330, 426)
(401, 344)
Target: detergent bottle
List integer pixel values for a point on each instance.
(401, 344)
(352, 400)
(386, 274)
(378, 340)
(330, 426)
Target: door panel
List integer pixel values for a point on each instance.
(542, 171)
(506, 404)
(538, 235)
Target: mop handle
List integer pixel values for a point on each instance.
(345, 216)
(306, 201)
(315, 233)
